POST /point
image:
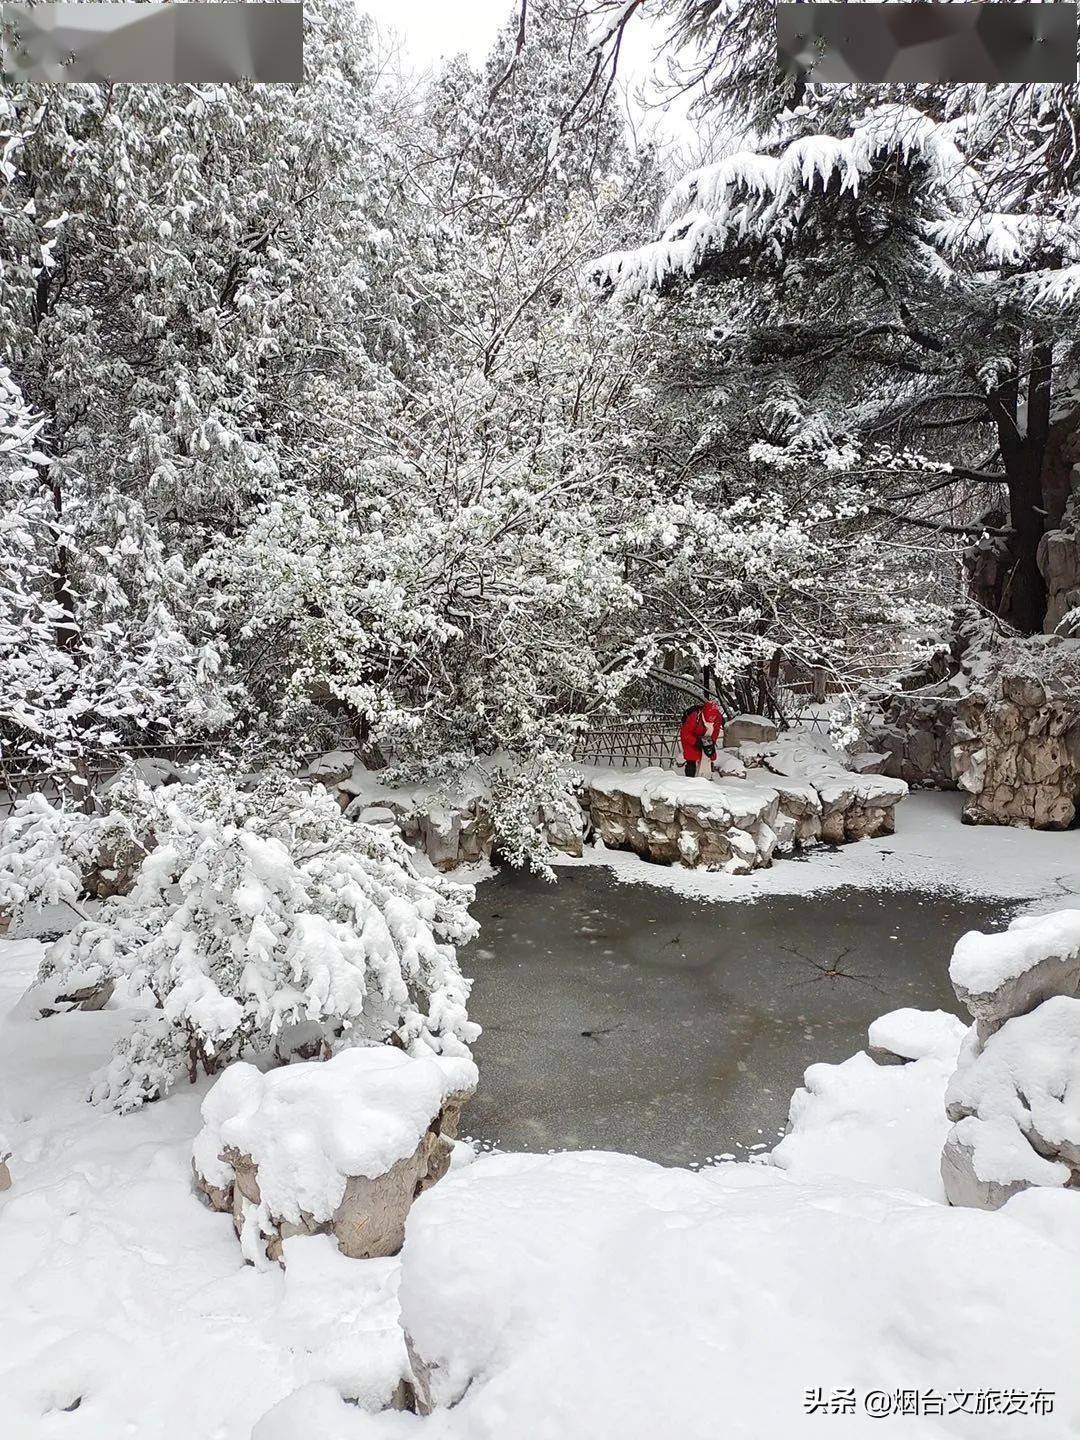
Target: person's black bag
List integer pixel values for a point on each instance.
(708, 747)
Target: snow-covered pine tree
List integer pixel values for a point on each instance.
(203, 298)
(913, 263)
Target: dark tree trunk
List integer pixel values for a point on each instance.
(1023, 448)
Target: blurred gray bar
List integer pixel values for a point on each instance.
(150, 43)
(910, 43)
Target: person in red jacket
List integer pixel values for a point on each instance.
(698, 734)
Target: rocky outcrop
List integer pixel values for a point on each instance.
(790, 794)
(339, 1148)
(1059, 561)
(698, 823)
(764, 798)
(1004, 728)
(1022, 764)
(918, 736)
(1015, 1122)
(450, 828)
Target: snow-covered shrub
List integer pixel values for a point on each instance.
(47, 849)
(257, 911)
(533, 804)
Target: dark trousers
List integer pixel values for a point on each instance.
(690, 769)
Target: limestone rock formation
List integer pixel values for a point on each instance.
(1059, 561)
(1004, 728)
(791, 793)
(1000, 976)
(764, 798)
(1024, 768)
(340, 1147)
(1016, 1122)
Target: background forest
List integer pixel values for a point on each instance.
(374, 408)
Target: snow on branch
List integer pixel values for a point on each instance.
(755, 195)
(257, 920)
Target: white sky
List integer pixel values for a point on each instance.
(434, 30)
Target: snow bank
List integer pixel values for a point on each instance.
(981, 963)
(311, 1127)
(881, 1124)
(584, 1295)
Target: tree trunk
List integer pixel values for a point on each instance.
(1023, 448)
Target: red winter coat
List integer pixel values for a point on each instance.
(694, 728)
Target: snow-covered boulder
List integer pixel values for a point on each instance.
(1016, 1101)
(341, 1147)
(58, 996)
(333, 768)
(878, 1123)
(749, 729)
(1007, 974)
(1015, 1096)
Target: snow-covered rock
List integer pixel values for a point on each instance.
(763, 797)
(790, 792)
(1001, 975)
(1002, 727)
(906, 1035)
(752, 729)
(1015, 1096)
(883, 1124)
(333, 768)
(339, 1148)
(722, 824)
(1017, 1103)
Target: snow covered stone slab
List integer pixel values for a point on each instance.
(1010, 973)
(592, 1295)
(340, 1147)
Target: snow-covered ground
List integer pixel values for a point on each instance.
(587, 1295)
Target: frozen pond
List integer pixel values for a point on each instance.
(626, 1017)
